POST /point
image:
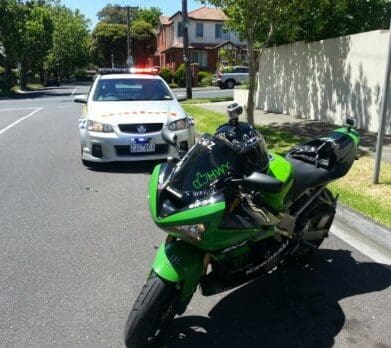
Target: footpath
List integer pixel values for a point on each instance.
(364, 228)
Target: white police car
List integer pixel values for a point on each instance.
(124, 114)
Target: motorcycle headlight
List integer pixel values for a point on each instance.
(96, 126)
(192, 231)
(179, 124)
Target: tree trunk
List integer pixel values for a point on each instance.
(7, 76)
(251, 87)
(23, 77)
(265, 44)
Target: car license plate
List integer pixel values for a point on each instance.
(142, 147)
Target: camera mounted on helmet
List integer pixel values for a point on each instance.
(234, 111)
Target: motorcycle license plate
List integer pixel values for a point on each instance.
(142, 147)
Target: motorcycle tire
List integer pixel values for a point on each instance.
(309, 223)
(152, 313)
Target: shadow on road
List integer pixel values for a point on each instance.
(47, 92)
(138, 167)
(255, 315)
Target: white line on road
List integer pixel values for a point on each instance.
(19, 120)
(361, 243)
(17, 109)
(73, 92)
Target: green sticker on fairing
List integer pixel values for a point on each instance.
(203, 179)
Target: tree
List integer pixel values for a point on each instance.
(36, 37)
(149, 15)
(70, 42)
(10, 37)
(255, 21)
(116, 14)
(108, 39)
(143, 41)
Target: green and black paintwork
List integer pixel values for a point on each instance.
(247, 227)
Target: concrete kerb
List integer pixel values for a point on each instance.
(363, 225)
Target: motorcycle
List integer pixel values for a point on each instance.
(234, 212)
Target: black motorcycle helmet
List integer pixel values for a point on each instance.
(246, 141)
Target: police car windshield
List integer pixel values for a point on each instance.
(131, 90)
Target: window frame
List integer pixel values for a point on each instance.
(202, 29)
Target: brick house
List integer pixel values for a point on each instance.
(207, 38)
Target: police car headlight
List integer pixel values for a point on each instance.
(95, 126)
(179, 125)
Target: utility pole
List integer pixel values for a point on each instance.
(129, 10)
(383, 112)
(186, 53)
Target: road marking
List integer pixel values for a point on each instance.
(19, 120)
(73, 92)
(361, 243)
(17, 109)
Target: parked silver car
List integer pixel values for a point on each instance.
(230, 77)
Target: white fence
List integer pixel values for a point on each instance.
(327, 80)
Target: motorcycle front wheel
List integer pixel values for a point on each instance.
(152, 312)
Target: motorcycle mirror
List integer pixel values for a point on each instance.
(261, 182)
(169, 137)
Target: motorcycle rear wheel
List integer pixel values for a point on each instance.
(152, 312)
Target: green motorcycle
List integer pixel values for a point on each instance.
(234, 212)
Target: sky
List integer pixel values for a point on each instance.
(91, 7)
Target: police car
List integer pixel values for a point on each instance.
(124, 113)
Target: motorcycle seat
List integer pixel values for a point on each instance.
(307, 175)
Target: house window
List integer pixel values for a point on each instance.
(200, 57)
(180, 29)
(220, 33)
(199, 29)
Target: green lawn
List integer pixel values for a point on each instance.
(207, 100)
(355, 188)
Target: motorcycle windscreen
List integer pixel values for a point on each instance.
(207, 162)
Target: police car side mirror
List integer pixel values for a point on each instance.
(82, 98)
(169, 137)
(181, 97)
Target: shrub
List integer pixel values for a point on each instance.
(173, 85)
(2, 71)
(166, 74)
(81, 75)
(205, 78)
(180, 76)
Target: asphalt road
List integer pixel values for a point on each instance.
(76, 246)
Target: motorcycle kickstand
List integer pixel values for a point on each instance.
(282, 280)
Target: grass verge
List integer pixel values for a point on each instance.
(207, 100)
(355, 189)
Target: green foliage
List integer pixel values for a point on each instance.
(2, 70)
(113, 14)
(70, 42)
(149, 15)
(143, 41)
(141, 30)
(81, 75)
(107, 39)
(180, 76)
(173, 85)
(116, 14)
(166, 74)
(205, 78)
